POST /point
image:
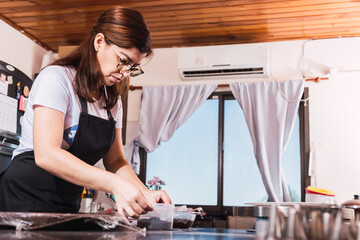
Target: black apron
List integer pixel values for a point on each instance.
(25, 187)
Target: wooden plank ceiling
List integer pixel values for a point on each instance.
(54, 23)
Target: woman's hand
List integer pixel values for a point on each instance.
(129, 198)
(156, 196)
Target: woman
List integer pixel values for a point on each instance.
(73, 119)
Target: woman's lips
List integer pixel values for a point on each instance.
(117, 79)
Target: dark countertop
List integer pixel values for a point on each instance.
(191, 233)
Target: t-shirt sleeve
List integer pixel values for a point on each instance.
(52, 89)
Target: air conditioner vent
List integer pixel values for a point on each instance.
(222, 72)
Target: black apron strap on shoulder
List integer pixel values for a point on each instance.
(83, 105)
(110, 115)
(108, 111)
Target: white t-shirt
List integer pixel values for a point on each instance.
(53, 88)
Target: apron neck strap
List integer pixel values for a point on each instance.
(106, 97)
(110, 116)
(83, 105)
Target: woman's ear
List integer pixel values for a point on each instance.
(99, 41)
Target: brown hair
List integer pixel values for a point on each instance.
(124, 27)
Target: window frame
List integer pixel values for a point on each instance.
(219, 209)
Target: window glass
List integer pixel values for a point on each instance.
(291, 163)
(242, 179)
(188, 162)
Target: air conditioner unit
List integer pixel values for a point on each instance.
(220, 62)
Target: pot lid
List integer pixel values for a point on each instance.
(352, 202)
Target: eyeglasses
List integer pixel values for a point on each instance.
(134, 71)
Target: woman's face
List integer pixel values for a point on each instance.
(110, 56)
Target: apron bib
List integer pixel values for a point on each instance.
(25, 187)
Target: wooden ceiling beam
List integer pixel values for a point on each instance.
(205, 19)
(259, 32)
(188, 29)
(246, 39)
(284, 6)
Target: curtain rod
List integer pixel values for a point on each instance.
(317, 80)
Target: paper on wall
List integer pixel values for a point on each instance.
(8, 113)
(4, 87)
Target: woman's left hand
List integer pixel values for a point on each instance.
(156, 196)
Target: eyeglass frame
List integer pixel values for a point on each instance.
(131, 68)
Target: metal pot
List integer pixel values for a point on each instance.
(352, 205)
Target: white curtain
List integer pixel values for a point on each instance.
(270, 110)
(163, 110)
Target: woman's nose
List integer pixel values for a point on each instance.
(126, 74)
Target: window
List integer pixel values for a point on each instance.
(240, 165)
(188, 162)
(209, 162)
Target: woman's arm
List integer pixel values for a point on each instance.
(115, 161)
(47, 134)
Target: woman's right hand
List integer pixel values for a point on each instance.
(129, 198)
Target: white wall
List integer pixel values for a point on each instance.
(334, 104)
(20, 51)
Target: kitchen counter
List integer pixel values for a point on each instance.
(53, 226)
(191, 233)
